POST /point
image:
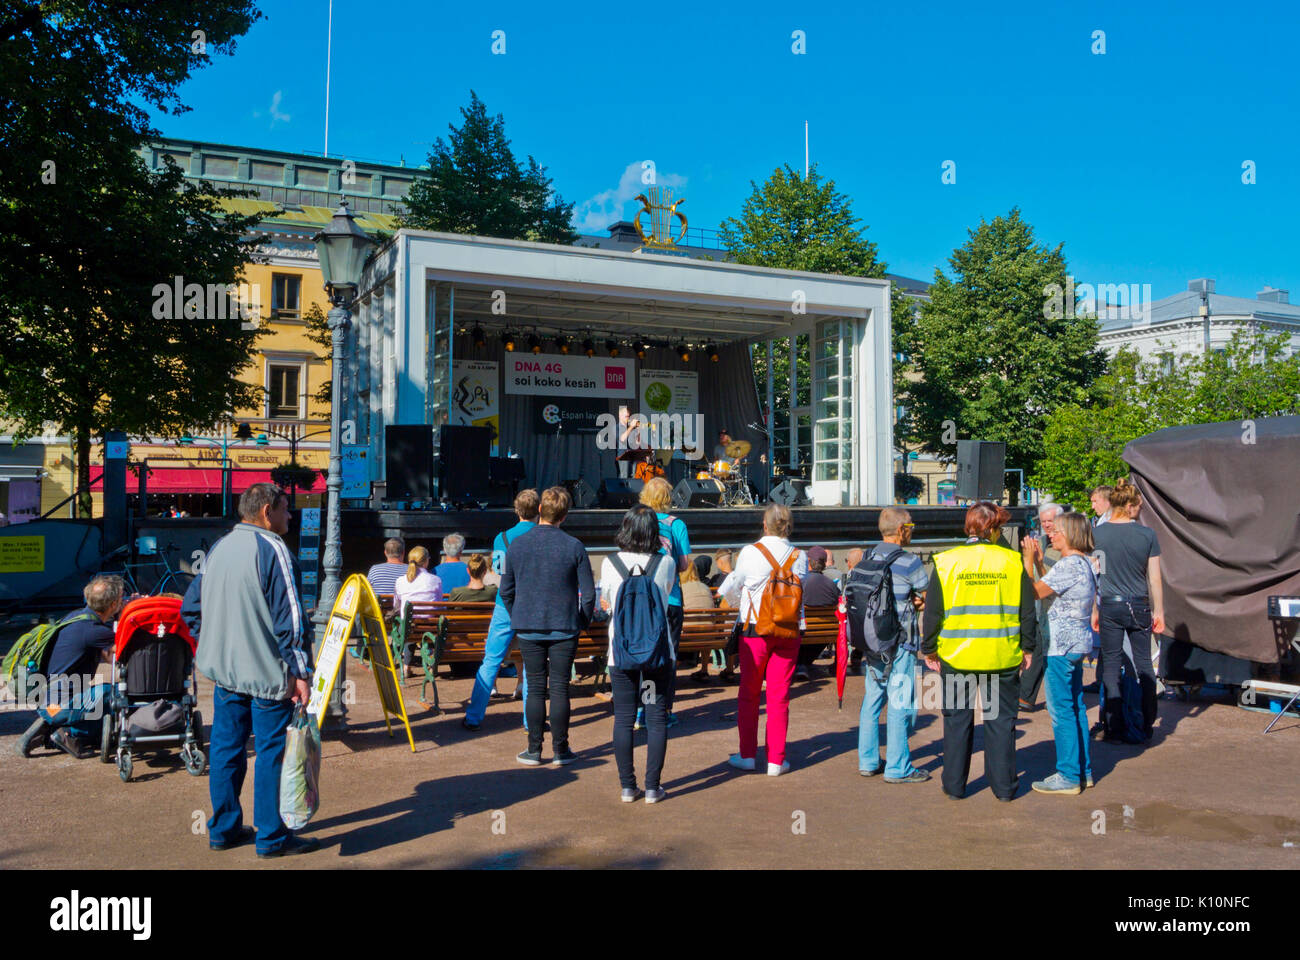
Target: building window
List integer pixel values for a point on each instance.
(284, 394)
(284, 296)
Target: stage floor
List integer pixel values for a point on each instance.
(710, 528)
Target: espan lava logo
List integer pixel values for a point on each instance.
(551, 414)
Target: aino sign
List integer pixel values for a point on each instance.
(556, 375)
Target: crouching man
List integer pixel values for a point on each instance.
(255, 645)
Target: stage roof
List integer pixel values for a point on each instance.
(576, 289)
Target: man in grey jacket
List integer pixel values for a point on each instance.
(255, 645)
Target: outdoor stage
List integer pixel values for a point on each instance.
(364, 531)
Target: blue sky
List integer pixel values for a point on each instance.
(1133, 158)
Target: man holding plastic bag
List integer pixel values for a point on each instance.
(255, 645)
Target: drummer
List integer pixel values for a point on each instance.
(720, 450)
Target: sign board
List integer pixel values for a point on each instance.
(117, 449)
(568, 414)
(354, 466)
(309, 555)
(476, 395)
(357, 604)
(562, 375)
(22, 554)
(670, 391)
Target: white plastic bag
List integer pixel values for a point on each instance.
(300, 774)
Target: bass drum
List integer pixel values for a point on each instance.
(722, 468)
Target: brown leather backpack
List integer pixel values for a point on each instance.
(782, 599)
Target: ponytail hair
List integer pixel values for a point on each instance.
(417, 558)
(1125, 496)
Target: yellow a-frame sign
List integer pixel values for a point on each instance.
(356, 603)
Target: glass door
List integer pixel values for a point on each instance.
(833, 378)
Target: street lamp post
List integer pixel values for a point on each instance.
(342, 247)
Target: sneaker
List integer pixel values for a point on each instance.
(953, 796)
(530, 759)
(71, 745)
(655, 795)
(1087, 781)
(916, 776)
(741, 763)
(631, 795)
(774, 771)
(563, 758)
(244, 835)
(471, 727)
(291, 848)
(801, 673)
(1026, 706)
(508, 671)
(1057, 784)
(869, 773)
(639, 723)
(671, 721)
(37, 732)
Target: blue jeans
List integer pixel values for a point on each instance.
(499, 640)
(900, 679)
(83, 714)
(1069, 716)
(234, 717)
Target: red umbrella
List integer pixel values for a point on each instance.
(841, 650)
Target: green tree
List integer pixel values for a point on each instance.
(476, 186)
(993, 360)
(1254, 376)
(88, 233)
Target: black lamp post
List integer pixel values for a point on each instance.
(343, 248)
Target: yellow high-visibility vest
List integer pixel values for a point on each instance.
(981, 598)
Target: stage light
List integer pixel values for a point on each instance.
(712, 352)
(612, 347)
(534, 343)
(684, 353)
(508, 341)
(640, 347)
(589, 347)
(480, 340)
(562, 344)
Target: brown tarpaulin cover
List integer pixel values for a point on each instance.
(1227, 512)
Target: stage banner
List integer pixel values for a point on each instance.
(475, 400)
(557, 375)
(576, 414)
(670, 400)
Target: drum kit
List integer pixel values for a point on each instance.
(731, 476)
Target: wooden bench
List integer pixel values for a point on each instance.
(447, 632)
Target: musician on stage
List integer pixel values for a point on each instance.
(720, 449)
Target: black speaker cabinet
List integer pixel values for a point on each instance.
(696, 493)
(791, 492)
(463, 460)
(981, 469)
(584, 498)
(408, 461)
(617, 493)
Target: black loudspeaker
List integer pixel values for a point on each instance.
(463, 460)
(696, 493)
(617, 493)
(981, 469)
(408, 461)
(792, 492)
(584, 498)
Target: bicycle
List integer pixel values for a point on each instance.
(173, 580)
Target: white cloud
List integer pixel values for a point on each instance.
(595, 215)
(276, 115)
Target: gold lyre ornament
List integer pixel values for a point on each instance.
(662, 208)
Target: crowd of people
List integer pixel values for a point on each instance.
(990, 622)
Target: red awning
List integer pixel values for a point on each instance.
(192, 480)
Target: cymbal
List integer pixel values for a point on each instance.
(738, 448)
(635, 453)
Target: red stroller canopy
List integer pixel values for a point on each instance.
(156, 615)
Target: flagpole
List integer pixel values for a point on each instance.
(805, 145)
(329, 38)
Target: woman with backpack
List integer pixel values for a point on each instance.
(766, 585)
(641, 655)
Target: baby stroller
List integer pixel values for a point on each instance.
(154, 690)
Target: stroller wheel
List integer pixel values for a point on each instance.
(124, 765)
(195, 761)
(197, 724)
(106, 741)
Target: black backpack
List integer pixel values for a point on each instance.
(873, 622)
(641, 640)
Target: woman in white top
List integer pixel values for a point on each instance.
(763, 658)
(638, 543)
(418, 585)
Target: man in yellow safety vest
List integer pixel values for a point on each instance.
(979, 628)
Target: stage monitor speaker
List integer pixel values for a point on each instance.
(981, 469)
(696, 493)
(408, 461)
(584, 498)
(618, 493)
(792, 492)
(463, 461)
